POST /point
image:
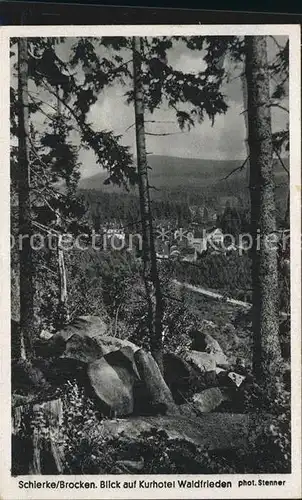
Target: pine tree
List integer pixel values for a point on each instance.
(150, 270)
(25, 214)
(46, 157)
(266, 355)
(251, 53)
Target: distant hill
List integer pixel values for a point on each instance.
(170, 171)
(191, 180)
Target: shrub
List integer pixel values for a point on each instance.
(270, 449)
(27, 377)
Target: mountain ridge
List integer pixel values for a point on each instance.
(171, 167)
(175, 172)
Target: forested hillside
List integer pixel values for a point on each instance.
(180, 183)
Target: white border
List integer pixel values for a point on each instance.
(8, 485)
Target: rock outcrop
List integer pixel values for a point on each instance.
(205, 364)
(209, 399)
(86, 326)
(157, 392)
(84, 339)
(204, 342)
(112, 381)
(211, 431)
(180, 375)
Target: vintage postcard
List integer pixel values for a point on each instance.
(150, 261)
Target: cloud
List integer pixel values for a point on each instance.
(225, 140)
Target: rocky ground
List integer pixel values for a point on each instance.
(200, 399)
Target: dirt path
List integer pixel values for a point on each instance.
(218, 296)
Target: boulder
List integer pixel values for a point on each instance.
(123, 358)
(205, 364)
(157, 394)
(112, 379)
(219, 370)
(179, 375)
(209, 399)
(188, 410)
(128, 466)
(204, 361)
(83, 340)
(110, 344)
(230, 379)
(204, 342)
(80, 348)
(46, 335)
(236, 378)
(209, 431)
(89, 349)
(85, 326)
(208, 324)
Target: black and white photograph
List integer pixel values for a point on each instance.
(151, 203)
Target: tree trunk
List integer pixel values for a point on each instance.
(63, 300)
(266, 355)
(157, 338)
(63, 294)
(150, 272)
(27, 323)
(43, 453)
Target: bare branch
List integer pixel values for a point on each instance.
(40, 101)
(277, 43)
(276, 105)
(151, 121)
(52, 118)
(163, 134)
(130, 126)
(54, 210)
(72, 112)
(48, 230)
(281, 161)
(235, 169)
(36, 154)
(55, 194)
(159, 121)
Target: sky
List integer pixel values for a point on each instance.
(226, 140)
